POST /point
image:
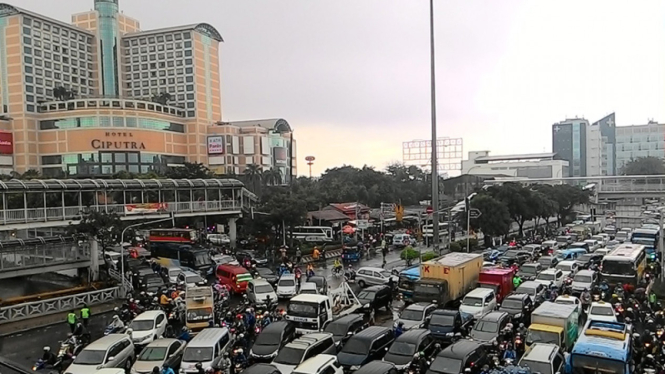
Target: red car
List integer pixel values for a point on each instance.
(233, 276)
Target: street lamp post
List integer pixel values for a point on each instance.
(435, 178)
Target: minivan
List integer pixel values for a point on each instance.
(320, 364)
(367, 345)
(236, 277)
(405, 346)
(303, 348)
(464, 354)
(110, 351)
(270, 340)
(479, 302)
(402, 240)
(206, 346)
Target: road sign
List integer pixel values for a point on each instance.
(429, 210)
(474, 213)
(362, 224)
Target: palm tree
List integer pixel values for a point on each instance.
(272, 177)
(253, 176)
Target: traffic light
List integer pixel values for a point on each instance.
(399, 213)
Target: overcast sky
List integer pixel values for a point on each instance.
(352, 76)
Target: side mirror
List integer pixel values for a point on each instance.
(110, 359)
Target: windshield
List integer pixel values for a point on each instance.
(618, 267)
(197, 354)
(546, 261)
(263, 288)
(193, 279)
(430, 289)
(583, 278)
(153, 354)
(472, 301)
(562, 239)
(142, 325)
(356, 347)
(542, 337)
(337, 329)
(447, 365)
(286, 283)
(546, 276)
(564, 267)
(529, 269)
(526, 290)
(201, 259)
(199, 314)
(596, 365)
(511, 304)
(585, 258)
(537, 367)
(602, 311)
(486, 326)
(406, 284)
(402, 349)
(89, 357)
(302, 310)
(442, 320)
(511, 254)
(385, 274)
(268, 339)
(411, 315)
(174, 272)
(265, 271)
(289, 356)
(366, 295)
(643, 241)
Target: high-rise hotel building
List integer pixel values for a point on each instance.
(100, 95)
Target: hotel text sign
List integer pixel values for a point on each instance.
(117, 140)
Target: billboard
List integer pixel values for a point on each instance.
(280, 155)
(448, 151)
(6, 143)
(145, 208)
(216, 145)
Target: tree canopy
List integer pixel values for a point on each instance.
(644, 166)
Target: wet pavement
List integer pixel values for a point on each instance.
(25, 348)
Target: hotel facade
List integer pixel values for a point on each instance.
(100, 96)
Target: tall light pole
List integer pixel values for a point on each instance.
(435, 177)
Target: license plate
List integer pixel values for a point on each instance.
(298, 319)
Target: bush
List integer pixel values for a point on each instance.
(409, 254)
(455, 247)
(428, 256)
(473, 243)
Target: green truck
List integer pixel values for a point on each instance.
(554, 324)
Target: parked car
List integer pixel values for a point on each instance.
(478, 302)
(456, 358)
(530, 271)
(271, 340)
(345, 327)
(488, 327)
(401, 351)
(369, 276)
(259, 291)
(158, 353)
(375, 297)
(415, 315)
(519, 306)
(148, 326)
(365, 346)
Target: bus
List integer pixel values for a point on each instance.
(313, 233)
(603, 347)
(188, 236)
(625, 264)
(647, 237)
(181, 255)
(428, 230)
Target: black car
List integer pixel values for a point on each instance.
(268, 275)
(408, 344)
(375, 297)
(445, 323)
(587, 260)
(261, 369)
(271, 340)
(378, 367)
(321, 284)
(514, 256)
(367, 345)
(253, 258)
(151, 283)
(488, 327)
(455, 359)
(345, 327)
(530, 270)
(519, 306)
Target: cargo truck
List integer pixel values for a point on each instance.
(447, 278)
(554, 324)
(200, 306)
(500, 280)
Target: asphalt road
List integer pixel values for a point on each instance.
(24, 349)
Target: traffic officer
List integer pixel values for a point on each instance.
(71, 321)
(85, 315)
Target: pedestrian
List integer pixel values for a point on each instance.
(652, 299)
(371, 316)
(298, 255)
(71, 321)
(85, 315)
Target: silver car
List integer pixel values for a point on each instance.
(158, 353)
(371, 276)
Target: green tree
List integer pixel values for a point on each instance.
(564, 197)
(644, 166)
(253, 177)
(272, 177)
(494, 219)
(285, 210)
(104, 227)
(189, 170)
(516, 198)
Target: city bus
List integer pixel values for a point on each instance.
(625, 264)
(181, 255)
(603, 347)
(188, 236)
(313, 233)
(428, 230)
(647, 237)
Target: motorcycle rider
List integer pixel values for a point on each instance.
(48, 357)
(337, 266)
(647, 338)
(117, 324)
(399, 329)
(585, 297)
(184, 334)
(166, 369)
(266, 319)
(239, 357)
(199, 368)
(618, 290)
(510, 353)
(350, 273)
(225, 363)
(648, 362)
(650, 325)
(522, 330)
(250, 319)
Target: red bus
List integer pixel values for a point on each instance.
(186, 236)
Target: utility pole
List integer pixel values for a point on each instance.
(435, 177)
(660, 245)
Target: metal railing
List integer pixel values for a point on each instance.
(34, 309)
(30, 215)
(606, 184)
(114, 274)
(42, 255)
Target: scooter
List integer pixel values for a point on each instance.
(111, 329)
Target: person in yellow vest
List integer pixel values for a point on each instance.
(85, 315)
(71, 321)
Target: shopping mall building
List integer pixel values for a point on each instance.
(83, 99)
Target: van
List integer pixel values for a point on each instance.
(271, 340)
(479, 302)
(402, 240)
(110, 351)
(302, 349)
(543, 358)
(206, 346)
(234, 276)
(368, 345)
(321, 364)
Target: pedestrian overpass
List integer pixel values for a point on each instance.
(24, 257)
(31, 204)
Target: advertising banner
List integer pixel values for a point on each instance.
(216, 145)
(6, 143)
(280, 155)
(145, 208)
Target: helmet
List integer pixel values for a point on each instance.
(131, 300)
(266, 313)
(47, 348)
(248, 310)
(226, 354)
(198, 365)
(467, 370)
(650, 356)
(184, 329)
(239, 350)
(521, 324)
(650, 321)
(240, 337)
(155, 299)
(155, 369)
(437, 346)
(350, 266)
(416, 355)
(400, 324)
(130, 331)
(115, 317)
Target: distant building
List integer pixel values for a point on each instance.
(569, 143)
(637, 141)
(536, 165)
(601, 147)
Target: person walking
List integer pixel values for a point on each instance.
(71, 321)
(298, 255)
(85, 315)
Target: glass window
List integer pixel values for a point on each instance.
(118, 122)
(51, 160)
(132, 157)
(106, 158)
(133, 168)
(120, 157)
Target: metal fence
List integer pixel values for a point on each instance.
(34, 309)
(40, 255)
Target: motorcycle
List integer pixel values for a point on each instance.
(39, 365)
(111, 329)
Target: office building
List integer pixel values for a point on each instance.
(601, 147)
(633, 142)
(569, 143)
(101, 95)
(536, 165)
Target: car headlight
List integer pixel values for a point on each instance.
(450, 334)
(366, 305)
(355, 367)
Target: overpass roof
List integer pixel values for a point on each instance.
(115, 184)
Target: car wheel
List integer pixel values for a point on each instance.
(128, 365)
(361, 283)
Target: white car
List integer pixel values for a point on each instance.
(594, 244)
(568, 268)
(550, 276)
(224, 259)
(309, 288)
(601, 311)
(259, 290)
(286, 286)
(148, 326)
(479, 302)
(219, 239)
(190, 279)
(172, 272)
(568, 300)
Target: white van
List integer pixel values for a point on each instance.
(320, 364)
(478, 302)
(206, 346)
(402, 240)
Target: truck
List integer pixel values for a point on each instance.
(311, 313)
(448, 278)
(199, 308)
(500, 280)
(554, 324)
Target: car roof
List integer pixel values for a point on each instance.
(105, 342)
(370, 332)
(162, 342)
(305, 341)
(479, 292)
(586, 272)
(540, 352)
(567, 262)
(530, 284)
(149, 315)
(189, 273)
(517, 296)
(308, 286)
(446, 312)
(208, 336)
(601, 304)
(536, 264)
(413, 336)
(493, 316)
(312, 365)
(309, 298)
(375, 288)
(551, 270)
(277, 325)
(460, 349)
(347, 318)
(258, 281)
(375, 367)
(378, 270)
(419, 306)
(235, 269)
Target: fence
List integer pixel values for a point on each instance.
(57, 305)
